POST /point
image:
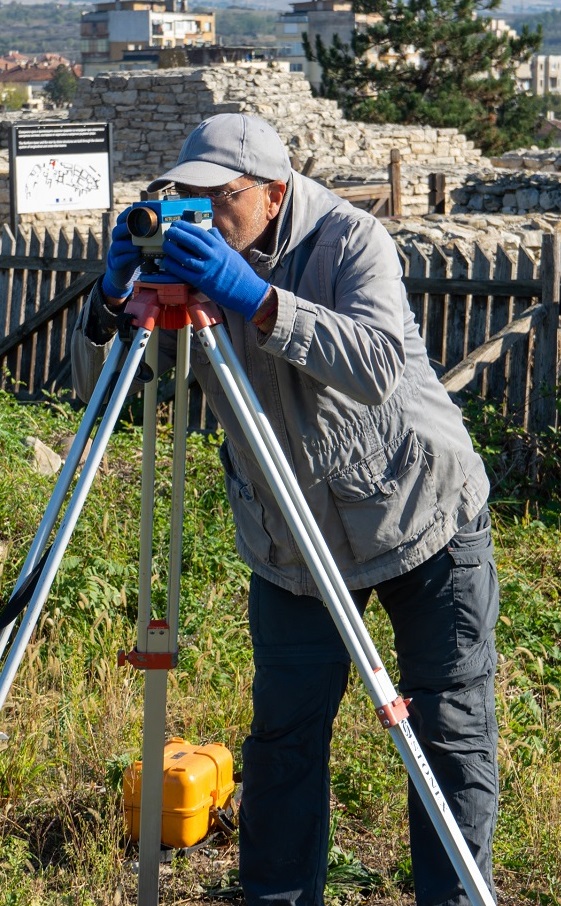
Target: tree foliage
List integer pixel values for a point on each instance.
(442, 65)
(12, 97)
(245, 26)
(62, 87)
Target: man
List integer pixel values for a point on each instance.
(314, 303)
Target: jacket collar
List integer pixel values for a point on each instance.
(304, 207)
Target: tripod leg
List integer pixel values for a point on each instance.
(159, 637)
(155, 681)
(390, 709)
(68, 523)
(64, 480)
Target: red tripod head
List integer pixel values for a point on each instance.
(171, 306)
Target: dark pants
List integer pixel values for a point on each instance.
(443, 614)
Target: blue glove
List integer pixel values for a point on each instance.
(206, 262)
(123, 261)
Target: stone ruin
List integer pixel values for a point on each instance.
(151, 112)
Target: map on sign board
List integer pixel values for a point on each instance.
(60, 166)
(64, 181)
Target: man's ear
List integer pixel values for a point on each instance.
(275, 195)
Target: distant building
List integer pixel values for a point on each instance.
(525, 7)
(545, 72)
(541, 74)
(289, 31)
(195, 55)
(324, 19)
(551, 129)
(12, 60)
(113, 29)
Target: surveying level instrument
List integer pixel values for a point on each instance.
(171, 306)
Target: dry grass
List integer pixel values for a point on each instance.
(74, 719)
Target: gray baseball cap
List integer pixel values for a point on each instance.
(224, 147)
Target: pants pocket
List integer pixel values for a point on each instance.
(475, 585)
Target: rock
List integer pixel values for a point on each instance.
(43, 460)
(509, 231)
(169, 102)
(65, 445)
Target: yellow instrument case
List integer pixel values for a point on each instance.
(197, 781)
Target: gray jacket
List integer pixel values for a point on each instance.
(378, 448)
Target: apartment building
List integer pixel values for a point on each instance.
(545, 74)
(290, 28)
(111, 29)
(323, 18)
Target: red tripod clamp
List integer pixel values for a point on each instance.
(157, 656)
(393, 709)
(393, 713)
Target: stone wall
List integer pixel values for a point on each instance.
(152, 111)
(508, 193)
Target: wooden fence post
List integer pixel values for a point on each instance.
(394, 174)
(437, 193)
(543, 409)
(108, 221)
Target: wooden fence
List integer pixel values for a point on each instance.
(490, 324)
(381, 198)
(44, 281)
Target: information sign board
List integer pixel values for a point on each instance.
(60, 166)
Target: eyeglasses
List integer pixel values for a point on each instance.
(217, 198)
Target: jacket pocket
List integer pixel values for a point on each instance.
(248, 511)
(386, 499)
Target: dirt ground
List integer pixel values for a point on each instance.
(209, 876)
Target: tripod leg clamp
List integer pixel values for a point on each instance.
(147, 660)
(393, 713)
(395, 708)
(157, 655)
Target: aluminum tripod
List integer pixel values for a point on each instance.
(156, 650)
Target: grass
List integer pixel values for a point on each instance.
(75, 719)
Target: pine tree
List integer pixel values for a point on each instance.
(464, 74)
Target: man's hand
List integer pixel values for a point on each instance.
(206, 262)
(123, 261)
